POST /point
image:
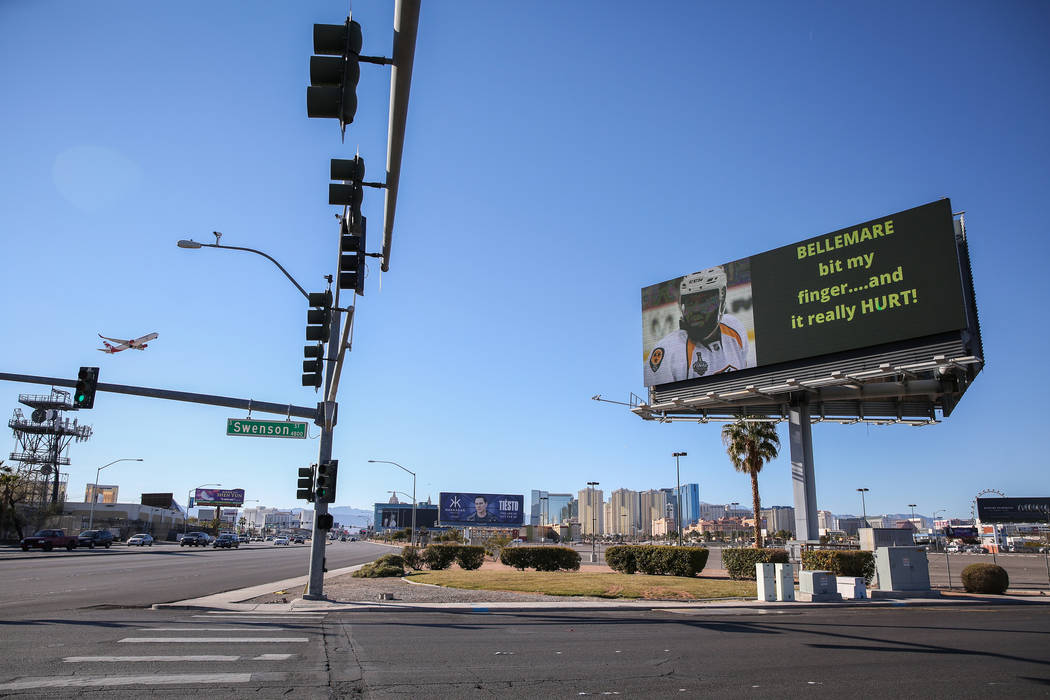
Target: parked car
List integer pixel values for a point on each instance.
(48, 540)
(95, 538)
(298, 539)
(140, 540)
(226, 541)
(193, 539)
(280, 540)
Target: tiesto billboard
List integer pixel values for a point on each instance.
(889, 279)
(481, 509)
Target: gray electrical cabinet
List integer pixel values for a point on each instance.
(902, 569)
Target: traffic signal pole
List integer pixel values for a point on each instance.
(326, 418)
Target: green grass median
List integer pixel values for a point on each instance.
(599, 585)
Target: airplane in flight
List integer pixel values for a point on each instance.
(136, 344)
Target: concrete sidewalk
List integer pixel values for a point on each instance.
(229, 601)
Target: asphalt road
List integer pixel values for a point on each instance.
(974, 651)
(41, 583)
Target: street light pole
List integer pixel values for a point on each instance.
(594, 520)
(678, 504)
(94, 490)
(863, 507)
(383, 461)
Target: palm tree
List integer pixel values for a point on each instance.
(750, 444)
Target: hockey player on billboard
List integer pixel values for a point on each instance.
(708, 341)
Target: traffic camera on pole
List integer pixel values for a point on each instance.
(305, 490)
(334, 74)
(87, 384)
(326, 478)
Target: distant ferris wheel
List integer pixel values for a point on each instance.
(984, 492)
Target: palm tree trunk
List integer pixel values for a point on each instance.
(758, 509)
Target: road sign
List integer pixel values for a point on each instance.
(266, 428)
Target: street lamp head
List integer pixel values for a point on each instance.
(862, 490)
(188, 244)
(679, 454)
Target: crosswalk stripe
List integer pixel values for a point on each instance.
(233, 613)
(210, 640)
(151, 679)
(122, 659)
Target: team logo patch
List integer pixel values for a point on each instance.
(656, 358)
(699, 366)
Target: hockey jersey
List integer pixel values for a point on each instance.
(676, 357)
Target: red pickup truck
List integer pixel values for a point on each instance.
(48, 540)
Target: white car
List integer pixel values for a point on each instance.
(280, 540)
(141, 539)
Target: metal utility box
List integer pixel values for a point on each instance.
(851, 588)
(871, 538)
(785, 582)
(817, 587)
(765, 580)
(902, 569)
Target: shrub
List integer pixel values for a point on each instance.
(657, 560)
(373, 571)
(985, 578)
(541, 558)
(555, 558)
(470, 557)
(515, 556)
(439, 556)
(412, 557)
(391, 560)
(621, 558)
(740, 563)
(386, 565)
(840, 562)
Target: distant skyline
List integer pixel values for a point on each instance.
(549, 175)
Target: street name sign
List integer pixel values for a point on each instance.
(266, 428)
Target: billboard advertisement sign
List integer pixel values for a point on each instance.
(481, 509)
(219, 497)
(402, 517)
(960, 531)
(1013, 510)
(890, 279)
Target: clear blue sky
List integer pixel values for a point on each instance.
(559, 157)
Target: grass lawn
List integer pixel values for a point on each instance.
(600, 585)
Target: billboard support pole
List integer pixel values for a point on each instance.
(800, 434)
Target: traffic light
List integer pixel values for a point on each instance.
(305, 490)
(87, 383)
(325, 521)
(312, 365)
(352, 257)
(334, 74)
(353, 227)
(326, 478)
(319, 317)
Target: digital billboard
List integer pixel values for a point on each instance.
(885, 280)
(481, 509)
(1013, 510)
(401, 517)
(219, 497)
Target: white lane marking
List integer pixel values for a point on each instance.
(227, 613)
(206, 640)
(272, 657)
(153, 679)
(210, 629)
(122, 659)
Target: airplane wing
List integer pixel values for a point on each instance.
(116, 340)
(144, 339)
